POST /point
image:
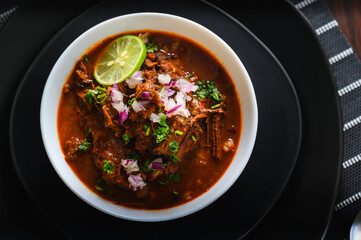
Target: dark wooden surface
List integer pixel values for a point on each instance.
(348, 15)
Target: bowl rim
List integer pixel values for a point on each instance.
(178, 211)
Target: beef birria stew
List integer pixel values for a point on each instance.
(159, 139)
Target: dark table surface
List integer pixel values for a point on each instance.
(346, 12)
(348, 15)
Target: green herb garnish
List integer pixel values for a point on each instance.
(130, 102)
(126, 138)
(189, 76)
(194, 139)
(173, 146)
(151, 47)
(161, 134)
(216, 106)
(174, 158)
(146, 129)
(87, 142)
(86, 58)
(175, 177)
(90, 95)
(101, 186)
(175, 195)
(208, 89)
(163, 131)
(84, 145)
(178, 132)
(98, 95)
(101, 89)
(108, 167)
(163, 121)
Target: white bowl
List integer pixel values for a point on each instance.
(155, 21)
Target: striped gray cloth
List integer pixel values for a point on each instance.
(7, 7)
(346, 68)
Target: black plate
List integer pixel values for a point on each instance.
(235, 213)
(305, 207)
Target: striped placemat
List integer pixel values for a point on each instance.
(346, 68)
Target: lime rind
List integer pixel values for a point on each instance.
(120, 60)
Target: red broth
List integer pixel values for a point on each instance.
(207, 139)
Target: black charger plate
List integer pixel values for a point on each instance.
(302, 212)
(235, 213)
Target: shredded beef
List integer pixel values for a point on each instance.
(107, 138)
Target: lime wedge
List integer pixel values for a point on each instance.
(121, 58)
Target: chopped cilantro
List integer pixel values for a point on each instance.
(89, 133)
(175, 195)
(178, 132)
(99, 95)
(86, 58)
(101, 89)
(174, 158)
(90, 95)
(216, 106)
(108, 167)
(101, 186)
(130, 101)
(146, 129)
(163, 121)
(189, 76)
(84, 145)
(151, 47)
(208, 90)
(163, 131)
(173, 146)
(175, 177)
(126, 138)
(194, 139)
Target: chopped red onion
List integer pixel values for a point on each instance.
(139, 106)
(164, 78)
(156, 117)
(116, 95)
(135, 79)
(123, 115)
(156, 164)
(171, 84)
(173, 109)
(185, 86)
(137, 75)
(170, 92)
(136, 181)
(145, 95)
(130, 165)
